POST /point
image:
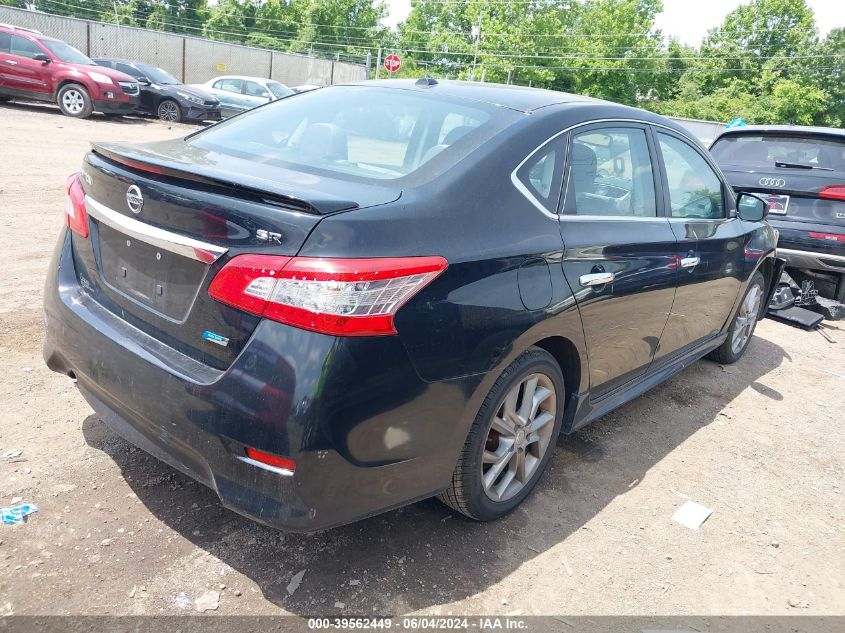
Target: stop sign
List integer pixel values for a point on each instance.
(392, 63)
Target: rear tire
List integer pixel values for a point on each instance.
(744, 322)
(510, 442)
(168, 110)
(74, 101)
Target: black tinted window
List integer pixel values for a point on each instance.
(129, 70)
(782, 151)
(24, 47)
(610, 174)
(376, 133)
(542, 173)
(695, 191)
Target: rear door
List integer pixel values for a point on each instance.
(618, 249)
(22, 73)
(711, 245)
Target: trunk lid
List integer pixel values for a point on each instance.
(800, 185)
(164, 218)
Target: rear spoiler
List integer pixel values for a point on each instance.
(265, 190)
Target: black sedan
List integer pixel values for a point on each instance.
(800, 171)
(166, 97)
(366, 295)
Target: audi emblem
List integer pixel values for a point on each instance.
(773, 182)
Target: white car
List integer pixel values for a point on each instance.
(238, 93)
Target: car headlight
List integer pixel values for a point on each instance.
(190, 98)
(100, 78)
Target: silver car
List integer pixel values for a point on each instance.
(238, 94)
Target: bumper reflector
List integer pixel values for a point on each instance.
(268, 461)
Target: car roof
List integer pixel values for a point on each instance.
(519, 98)
(243, 77)
(798, 130)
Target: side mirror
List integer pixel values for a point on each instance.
(144, 81)
(751, 208)
(42, 57)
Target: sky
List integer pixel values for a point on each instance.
(688, 20)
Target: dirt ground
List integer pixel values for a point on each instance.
(761, 443)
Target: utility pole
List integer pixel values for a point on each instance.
(369, 64)
(477, 41)
(378, 61)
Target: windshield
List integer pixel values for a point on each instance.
(782, 151)
(375, 133)
(278, 89)
(158, 76)
(67, 53)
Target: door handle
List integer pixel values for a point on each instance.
(596, 279)
(12, 62)
(690, 262)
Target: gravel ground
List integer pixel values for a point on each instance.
(761, 443)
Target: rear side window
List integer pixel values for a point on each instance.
(24, 47)
(610, 173)
(5, 39)
(695, 191)
(781, 150)
(374, 133)
(229, 85)
(542, 173)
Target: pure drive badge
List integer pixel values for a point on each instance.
(208, 335)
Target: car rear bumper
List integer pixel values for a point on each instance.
(367, 434)
(800, 249)
(810, 260)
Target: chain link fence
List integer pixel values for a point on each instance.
(191, 59)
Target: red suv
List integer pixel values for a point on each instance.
(34, 66)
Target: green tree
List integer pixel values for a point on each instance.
(777, 35)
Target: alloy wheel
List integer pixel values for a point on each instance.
(168, 111)
(745, 320)
(519, 436)
(73, 101)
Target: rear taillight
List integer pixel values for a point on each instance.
(75, 214)
(829, 237)
(833, 192)
(342, 297)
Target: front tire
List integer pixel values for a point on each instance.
(511, 440)
(743, 324)
(74, 101)
(168, 110)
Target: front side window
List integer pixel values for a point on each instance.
(5, 42)
(23, 47)
(610, 173)
(375, 133)
(695, 191)
(254, 89)
(279, 90)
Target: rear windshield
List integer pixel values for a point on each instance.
(781, 150)
(367, 132)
